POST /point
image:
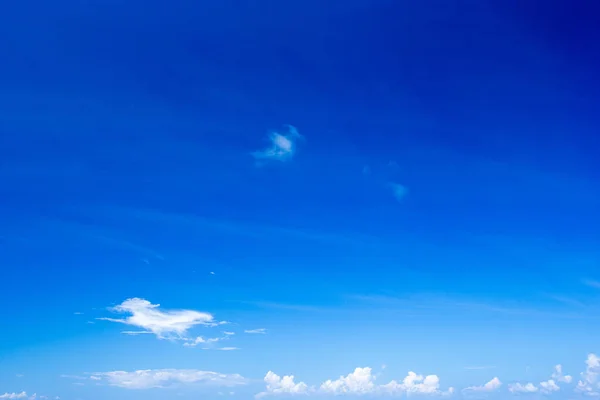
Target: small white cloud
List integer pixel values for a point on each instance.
(549, 386)
(282, 147)
(21, 395)
(399, 191)
(558, 376)
(200, 340)
(228, 333)
(228, 348)
(260, 331)
(520, 388)
(77, 313)
(212, 273)
(491, 386)
(164, 378)
(286, 385)
(589, 383)
(168, 324)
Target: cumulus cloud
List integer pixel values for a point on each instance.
(491, 386)
(588, 384)
(549, 386)
(520, 388)
(165, 324)
(359, 382)
(417, 384)
(256, 331)
(282, 146)
(558, 376)
(277, 385)
(164, 378)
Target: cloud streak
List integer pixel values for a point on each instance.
(166, 378)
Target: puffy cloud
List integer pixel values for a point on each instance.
(520, 388)
(589, 379)
(283, 146)
(417, 384)
(491, 386)
(286, 385)
(549, 386)
(163, 378)
(167, 324)
(358, 382)
(558, 376)
(256, 331)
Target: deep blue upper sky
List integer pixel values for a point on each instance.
(448, 163)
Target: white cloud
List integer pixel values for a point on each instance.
(228, 333)
(491, 386)
(200, 340)
(417, 384)
(520, 388)
(256, 331)
(558, 376)
(359, 382)
(164, 378)
(286, 385)
(282, 147)
(167, 324)
(399, 191)
(21, 395)
(549, 386)
(228, 348)
(589, 379)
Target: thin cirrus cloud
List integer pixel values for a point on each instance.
(259, 331)
(359, 382)
(165, 324)
(282, 146)
(21, 395)
(399, 191)
(166, 378)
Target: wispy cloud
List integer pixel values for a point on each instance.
(256, 331)
(591, 283)
(167, 324)
(480, 367)
(21, 395)
(282, 146)
(399, 191)
(165, 378)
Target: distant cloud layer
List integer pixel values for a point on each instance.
(164, 378)
(282, 146)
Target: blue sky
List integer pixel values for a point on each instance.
(325, 198)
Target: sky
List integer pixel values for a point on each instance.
(319, 198)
